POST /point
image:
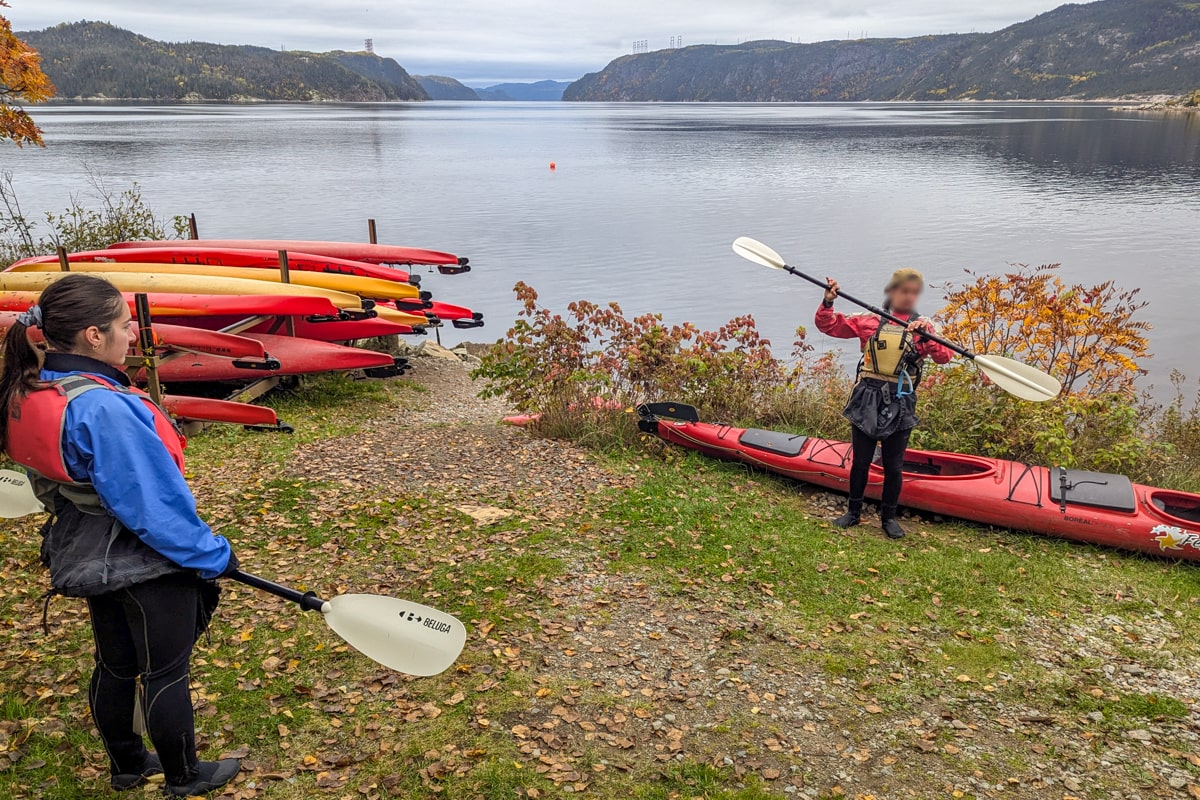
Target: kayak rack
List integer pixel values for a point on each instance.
(147, 357)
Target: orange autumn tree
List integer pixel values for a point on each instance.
(1089, 337)
(21, 81)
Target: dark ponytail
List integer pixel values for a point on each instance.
(67, 308)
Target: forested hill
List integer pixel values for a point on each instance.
(1098, 50)
(541, 91)
(95, 59)
(439, 87)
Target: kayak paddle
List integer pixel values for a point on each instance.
(407, 637)
(404, 636)
(1019, 380)
(16, 496)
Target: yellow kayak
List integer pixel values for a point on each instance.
(372, 288)
(180, 284)
(400, 317)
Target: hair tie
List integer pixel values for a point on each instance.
(32, 317)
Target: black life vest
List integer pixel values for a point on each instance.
(87, 550)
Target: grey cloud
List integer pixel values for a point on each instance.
(521, 39)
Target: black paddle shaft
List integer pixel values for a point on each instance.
(962, 351)
(306, 600)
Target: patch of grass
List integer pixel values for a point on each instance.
(1120, 710)
(948, 604)
(699, 780)
(503, 779)
(1150, 706)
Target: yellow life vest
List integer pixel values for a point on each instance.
(890, 353)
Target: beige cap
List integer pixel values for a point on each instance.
(903, 276)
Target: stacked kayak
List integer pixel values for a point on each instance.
(182, 338)
(286, 355)
(201, 306)
(366, 253)
(228, 312)
(1095, 508)
(203, 275)
(227, 257)
(159, 283)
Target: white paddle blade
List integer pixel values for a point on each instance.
(1019, 380)
(16, 496)
(407, 637)
(759, 253)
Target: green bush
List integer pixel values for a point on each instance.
(1177, 428)
(1101, 432)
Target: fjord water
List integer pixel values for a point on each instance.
(646, 199)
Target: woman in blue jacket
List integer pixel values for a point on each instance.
(123, 533)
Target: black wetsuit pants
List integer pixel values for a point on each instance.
(893, 448)
(146, 631)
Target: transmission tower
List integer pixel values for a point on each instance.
(369, 45)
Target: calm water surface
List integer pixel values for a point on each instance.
(647, 198)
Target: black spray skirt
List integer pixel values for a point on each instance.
(876, 410)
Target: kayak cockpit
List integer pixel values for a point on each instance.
(946, 465)
(1179, 506)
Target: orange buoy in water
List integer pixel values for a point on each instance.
(553, 165)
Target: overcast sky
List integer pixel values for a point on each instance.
(484, 41)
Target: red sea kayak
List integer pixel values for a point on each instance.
(182, 337)
(206, 305)
(335, 330)
(351, 251)
(203, 409)
(1095, 508)
(459, 316)
(227, 257)
(295, 356)
(225, 345)
(343, 330)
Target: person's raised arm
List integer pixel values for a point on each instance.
(834, 323)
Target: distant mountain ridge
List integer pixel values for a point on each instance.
(95, 59)
(541, 91)
(439, 87)
(1104, 49)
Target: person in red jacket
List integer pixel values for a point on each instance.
(882, 407)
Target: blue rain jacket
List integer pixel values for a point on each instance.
(110, 442)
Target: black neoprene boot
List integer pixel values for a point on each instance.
(207, 776)
(891, 526)
(852, 517)
(124, 781)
